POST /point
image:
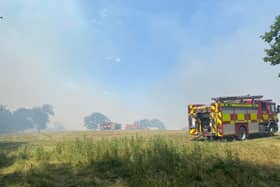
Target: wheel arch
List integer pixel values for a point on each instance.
(238, 126)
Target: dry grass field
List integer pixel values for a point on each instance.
(143, 158)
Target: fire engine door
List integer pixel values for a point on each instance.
(264, 111)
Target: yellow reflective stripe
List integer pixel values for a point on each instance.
(219, 122)
(219, 118)
(240, 117)
(239, 105)
(275, 117)
(265, 116)
(213, 129)
(226, 117)
(191, 109)
(253, 117)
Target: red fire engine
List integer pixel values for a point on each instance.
(238, 116)
(110, 126)
(134, 127)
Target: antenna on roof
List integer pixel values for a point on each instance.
(231, 98)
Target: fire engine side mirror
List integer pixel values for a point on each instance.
(278, 109)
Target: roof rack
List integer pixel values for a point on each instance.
(234, 98)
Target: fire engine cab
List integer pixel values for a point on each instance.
(237, 116)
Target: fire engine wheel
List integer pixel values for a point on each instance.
(242, 135)
(271, 130)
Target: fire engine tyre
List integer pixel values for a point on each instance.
(272, 129)
(242, 134)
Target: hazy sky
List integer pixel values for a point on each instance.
(132, 59)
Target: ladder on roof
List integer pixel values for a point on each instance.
(234, 98)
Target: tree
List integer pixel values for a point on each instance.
(41, 116)
(92, 121)
(144, 123)
(6, 120)
(157, 123)
(22, 119)
(46, 108)
(273, 39)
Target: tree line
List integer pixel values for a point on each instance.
(37, 118)
(25, 118)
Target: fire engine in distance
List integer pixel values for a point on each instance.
(237, 116)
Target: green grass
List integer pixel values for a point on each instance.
(163, 158)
